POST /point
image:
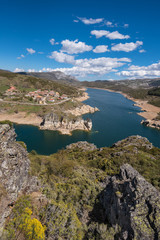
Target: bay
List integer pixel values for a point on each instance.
(116, 120)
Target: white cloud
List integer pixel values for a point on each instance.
(22, 56)
(19, 70)
(101, 49)
(127, 47)
(89, 21)
(108, 34)
(142, 51)
(40, 52)
(76, 20)
(62, 57)
(126, 25)
(52, 41)
(31, 70)
(30, 50)
(96, 66)
(73, 47)
(109, 24)
(149, 71)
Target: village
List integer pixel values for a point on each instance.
(38, 96)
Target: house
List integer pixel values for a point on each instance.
(51, 100)
(52, 93)
(11, 91)
(64, 96)
(57, 94)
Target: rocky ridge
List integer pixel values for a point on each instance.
(65, 125)
(82, 110)
(151, 123)
(82, 145)
(14, 172)
(132, 206)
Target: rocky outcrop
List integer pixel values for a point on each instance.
(83, 146)
(65, 125)
(14, 172)
(151, 123)
(132, 206)
(136, 141)
(84, 109)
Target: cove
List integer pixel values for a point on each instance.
(116, 120)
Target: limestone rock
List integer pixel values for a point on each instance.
(84, 109)
(132, 205)
(83, 145)
(151, 123)
(134, 141)
(64, 124)
(14, 172)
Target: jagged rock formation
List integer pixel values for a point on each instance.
(83, 145)
(53, 122)
(132, 206)
(136, 141)
(14, 172)
(151, 123)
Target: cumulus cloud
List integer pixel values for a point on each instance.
(52, 41)
(108, 34)
(149, 71)
(109, 24)
(31, 70)
(101, 49)
(127, 47)
(18, 70)
(96, 66)
(126, 25)
(73, 47)
(89, 21)
(22, 56)
(62, 57)
(142, 51)
(30, 50)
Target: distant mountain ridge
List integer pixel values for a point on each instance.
(54, 76)
(134, 84)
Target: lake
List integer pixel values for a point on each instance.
(116, 120)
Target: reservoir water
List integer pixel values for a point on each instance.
(116, 120)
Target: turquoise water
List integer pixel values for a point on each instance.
(116, 120)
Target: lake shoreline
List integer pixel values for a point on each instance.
(34, 120)
(149, 112)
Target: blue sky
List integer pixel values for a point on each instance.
(91, 39)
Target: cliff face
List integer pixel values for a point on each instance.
(64, 125)
(132, 204)
(14, 172)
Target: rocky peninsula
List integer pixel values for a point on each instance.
(64, 124)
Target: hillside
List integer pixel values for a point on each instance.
(20, 100)
(81, 192)
(31, 100)
(138, 88)
(55, 76)
(26, 82)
